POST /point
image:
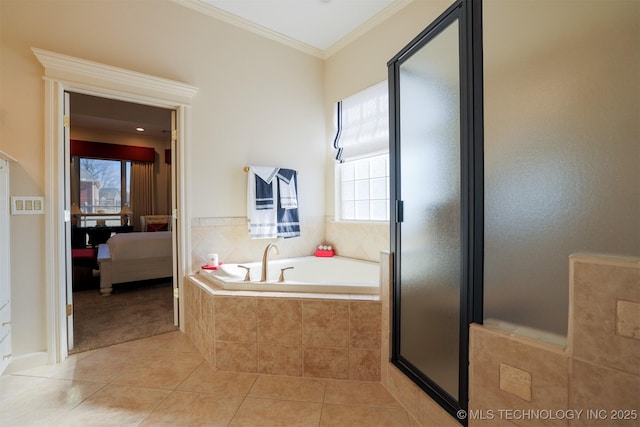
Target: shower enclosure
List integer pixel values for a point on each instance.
(436, 185)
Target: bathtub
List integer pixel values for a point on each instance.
(336, 275)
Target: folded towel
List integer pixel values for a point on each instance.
(267, 173)
(264, 194)
(262, 221)
(287, 191)
(264, 189)
(288, 218)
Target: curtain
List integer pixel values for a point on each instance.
(142, 192)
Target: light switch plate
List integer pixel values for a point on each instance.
(27, 205)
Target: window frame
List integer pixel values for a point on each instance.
(110, 219)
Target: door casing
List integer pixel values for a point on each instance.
(65, 73)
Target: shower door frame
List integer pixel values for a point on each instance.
(469, 15)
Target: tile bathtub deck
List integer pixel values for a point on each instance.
(163, 380)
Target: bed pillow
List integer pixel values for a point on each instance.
(160, 226)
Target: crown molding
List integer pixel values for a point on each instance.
(68, 68)
(232, 19)
(237, 21)
(373, 22)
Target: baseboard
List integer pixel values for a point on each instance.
(27, 361)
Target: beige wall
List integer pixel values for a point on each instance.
(258, 102)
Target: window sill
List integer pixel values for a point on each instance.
(353, 221)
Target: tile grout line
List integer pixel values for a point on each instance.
(244, 398)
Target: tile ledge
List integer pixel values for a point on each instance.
(526, 335)
(213, 289)
(625, 261)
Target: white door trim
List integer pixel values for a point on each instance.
(65, 73)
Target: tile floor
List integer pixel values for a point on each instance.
(164, 381)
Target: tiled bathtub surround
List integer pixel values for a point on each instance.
(321, 338)
(228, 237)
(359, 240)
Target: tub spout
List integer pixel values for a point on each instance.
(265, 261)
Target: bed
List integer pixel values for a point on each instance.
(130, 257)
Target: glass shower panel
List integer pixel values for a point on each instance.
(562, 170)
(430, 261)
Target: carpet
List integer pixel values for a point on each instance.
(131, 312)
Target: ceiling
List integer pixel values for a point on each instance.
(318, 27)
(102, 114)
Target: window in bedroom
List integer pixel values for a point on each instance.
(362, 144)
(102, 188)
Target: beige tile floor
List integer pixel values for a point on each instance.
(164, 381)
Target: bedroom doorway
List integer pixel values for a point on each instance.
(64, 73)
(119, 177)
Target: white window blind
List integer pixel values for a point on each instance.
(363, 124)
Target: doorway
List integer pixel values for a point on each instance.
(117, 151)
(66, 73)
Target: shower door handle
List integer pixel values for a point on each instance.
(399, 211)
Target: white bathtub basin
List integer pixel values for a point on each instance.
(309, 274)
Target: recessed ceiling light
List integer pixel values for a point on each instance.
(140, 129)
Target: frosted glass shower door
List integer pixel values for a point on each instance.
(436, 151)
(430, 187)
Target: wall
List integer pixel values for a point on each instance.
(258, 102)
(562, 150)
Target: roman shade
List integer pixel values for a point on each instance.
(363, 124)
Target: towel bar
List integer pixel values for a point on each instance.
(246, 169)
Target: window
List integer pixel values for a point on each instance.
(101, 188)
(362, 144)
(365, 189)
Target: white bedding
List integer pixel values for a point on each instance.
(131, 257)
(140, 245)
